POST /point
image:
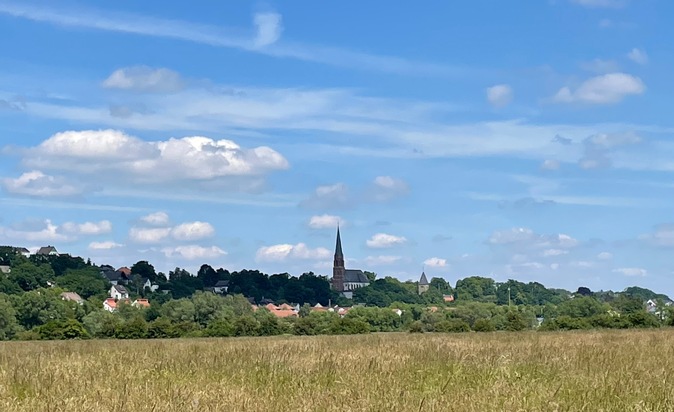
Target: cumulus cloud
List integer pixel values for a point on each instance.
(39, 231)
(384, 240)
(528, 239)
(269, 28)
(145, 79)
(193, 252)
(156, 219)
(324, 221)
(188, 231)
(149, 235)
(87, 228)
(329, 197)
(500, 95)
(600, 66)
(386, 188)
(284, 252)
(193, 231)
(605, 256)
(106, 245)
(597, 148)
(38, 184)
(197, 158)
(550, 164)
(631, 271)
(662, 236)
(605, 89)
(435, 262)
(638, 56)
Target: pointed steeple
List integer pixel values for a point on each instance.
(338, 246)
(423, 280)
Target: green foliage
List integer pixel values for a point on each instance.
(581, 307)
(475, 288)
(348, 326)
(9, 326)
(484, 325)
(643, 294)
(643, 320)
(417, 327)
(515, 321)
(161, 328)
(452, 325)
(85, 282)
(135, 328)
(30, 276)
(62, 329)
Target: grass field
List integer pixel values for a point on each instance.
(592, 371)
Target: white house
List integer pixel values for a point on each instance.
(221, 287)
(147, 284)
(111, 304)
(118, 292)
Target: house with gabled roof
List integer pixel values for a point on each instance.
(221, 286)
(23, 251)
(73, 297)
(47, 251)
(118, 292)
(345, 281)
(111, 304)
(141, 303)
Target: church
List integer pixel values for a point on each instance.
(345, 281)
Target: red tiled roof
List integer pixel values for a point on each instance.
(125, 270)
(271, 307)
(142, 302)
(284, 313)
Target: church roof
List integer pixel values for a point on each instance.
(355, 276)
(423, 280)
(338, 245)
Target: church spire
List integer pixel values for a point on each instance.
(338, 246)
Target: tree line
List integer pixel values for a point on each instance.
(31, 306)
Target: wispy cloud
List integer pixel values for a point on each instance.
(264, 40)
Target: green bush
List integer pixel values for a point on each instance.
(484, 325)
(417, 327)
(452, 325)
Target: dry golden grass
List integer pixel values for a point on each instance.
(591, 371)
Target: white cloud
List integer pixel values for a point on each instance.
(269, 28)
(605, 89)
(193, 252)
(382, 260)
(663, 236)
(596, 148)
(435, 262)
(386, 188)
(106, 245)
(144, 79)
(329, 196)
(605, 256)
(192, 231)
(188, 231)
(149, 235)
(324, 221)
(500, 95)
(550, 164)
(632, 271)
(554, 252)
(87, 228)
(283, 252)
(601, 3)
(44, 231)
(384, 240)
(95, 152)
(156, 219)
(38, 184)
(528, 239)
(638, 56)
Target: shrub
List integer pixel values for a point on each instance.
(484, 325)
(452, 325)
(417, 327)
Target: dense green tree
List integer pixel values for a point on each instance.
(180, 310)
(206, 306)
(9, 326)
(208, 276)
(484, 325)
(581, 307)
(145, 270)
(475, 288)
(29, 276)
(86, 282)
(62, 329)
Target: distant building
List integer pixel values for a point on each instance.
(111, 304)
(23, 251)
(141, 303)
(47, 251)
(221, 286)
(448, 298)
(423, 284)
(345, 281)
(5, 269)
(118, 292)
(73, 297)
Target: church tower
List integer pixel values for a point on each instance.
(338, 269)
(423, 283)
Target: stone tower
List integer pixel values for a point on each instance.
(338, 269)
(423, 283)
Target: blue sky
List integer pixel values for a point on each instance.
(528, 141)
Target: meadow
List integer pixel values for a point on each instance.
(525, 371)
